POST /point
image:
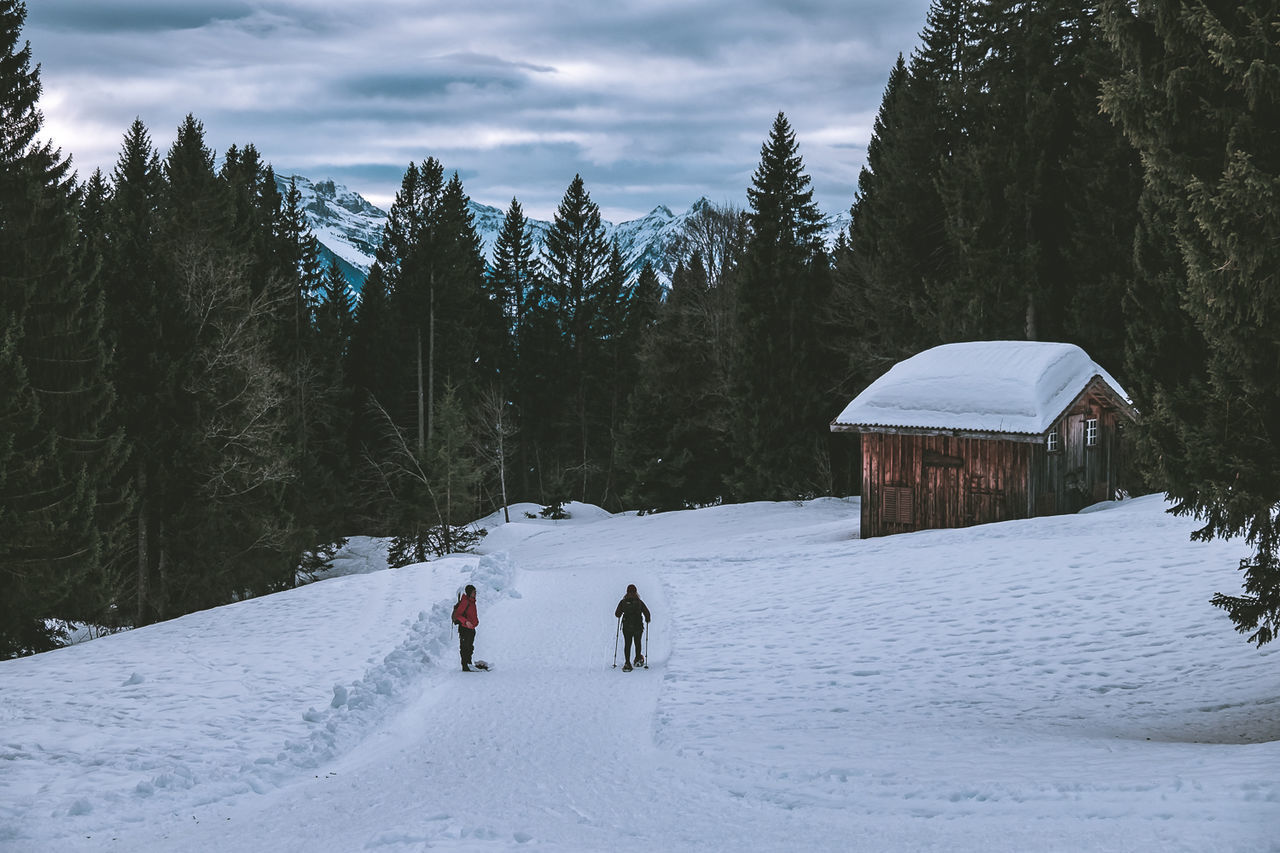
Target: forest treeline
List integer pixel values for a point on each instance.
(194, 409)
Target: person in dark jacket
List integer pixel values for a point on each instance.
(634, 617)
(466, 618)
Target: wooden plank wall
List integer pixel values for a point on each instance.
(1078, 475)
(954, 481)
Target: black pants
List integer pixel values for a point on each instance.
(631, 634)
(466, 643)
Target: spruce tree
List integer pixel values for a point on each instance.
(137, 307)
(1041, 192)
(512, 284)
(895, 252)
(511, 278)
(59, 455)
(319, 409)
(411, 271)
(466, 357)
(783, 398)
(224, 529)
(574, 298)
(674, 443)
(371, 364)
(1198, 97)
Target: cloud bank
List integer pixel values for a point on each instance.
(652, 103)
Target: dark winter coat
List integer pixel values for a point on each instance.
(632, 610)
(464, 612)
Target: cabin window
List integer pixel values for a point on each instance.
(1051, 441)
(895, 508)
(1090, 432)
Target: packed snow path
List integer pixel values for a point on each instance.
(1057, 684)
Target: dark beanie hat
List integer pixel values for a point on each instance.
(631, 589)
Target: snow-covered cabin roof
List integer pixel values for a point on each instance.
(1020, 387)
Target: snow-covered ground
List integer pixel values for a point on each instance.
(1056, 684)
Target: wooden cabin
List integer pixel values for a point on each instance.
(971, 433)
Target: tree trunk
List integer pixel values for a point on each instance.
(162, 576)
(431, 359)
(422, 444)
(144, 556)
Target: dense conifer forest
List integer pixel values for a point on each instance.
(194, 409)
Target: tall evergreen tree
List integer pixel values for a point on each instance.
(780, 376)
(466, 353)
(571, 302)
(512, 284)
(58, 453)
(895, 251)
(1040, 189)
(411, 275)
(1199, 98)
(370, 364)
(319, 409)
(137, 308)
(674, 442)
(223, 530)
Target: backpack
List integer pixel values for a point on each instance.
(456, 607)
(631, 610)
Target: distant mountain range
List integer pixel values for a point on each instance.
(349, 228)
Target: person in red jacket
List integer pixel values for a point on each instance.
(634, 617)
(466, 618)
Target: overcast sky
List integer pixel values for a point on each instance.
(658, 102)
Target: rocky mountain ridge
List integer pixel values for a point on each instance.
(349, 228)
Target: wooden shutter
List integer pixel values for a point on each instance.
(895, 508)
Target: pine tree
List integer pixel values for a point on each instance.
(512, 285)
(1040, 189)
(58, 454)
(509, 285)
(412, 287)
(783, 396)
(371, 366)
(674, 442)
(223, 528)
(572, 302)
(466, 358)
(895, 253)
(319, 409)
(1199, 99)
(612, 373)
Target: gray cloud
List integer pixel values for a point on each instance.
(139, 17)
(652, 102)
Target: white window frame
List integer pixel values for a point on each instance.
(1051, 443)
(1091, 432)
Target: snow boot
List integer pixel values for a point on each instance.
(639, 660)
(626, 667)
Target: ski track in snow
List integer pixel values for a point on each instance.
(1059, 684)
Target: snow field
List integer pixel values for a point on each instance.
(221, 702)
(1058, 684)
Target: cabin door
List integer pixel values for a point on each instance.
(1075, 478)
(986, 497)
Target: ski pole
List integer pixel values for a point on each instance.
(648, 626)
(615, 643)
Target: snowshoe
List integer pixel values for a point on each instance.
(626, 667)
(482, 665)
(640, 660)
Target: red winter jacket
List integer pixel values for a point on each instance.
(464, 612)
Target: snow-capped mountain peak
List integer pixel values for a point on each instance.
(349, 228)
